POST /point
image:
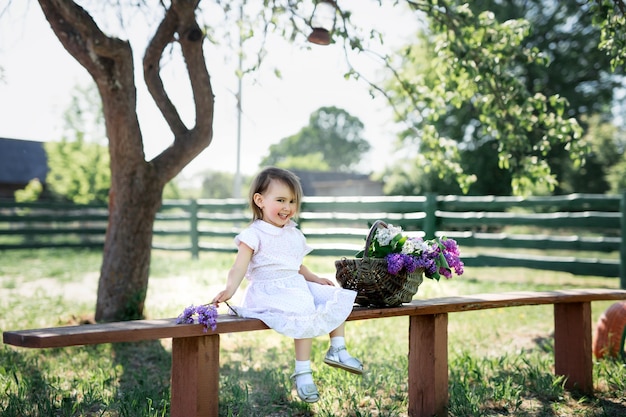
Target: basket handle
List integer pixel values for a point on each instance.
(377, 224)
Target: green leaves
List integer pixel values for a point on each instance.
(609, 17)
(79, 171)
(475, 64)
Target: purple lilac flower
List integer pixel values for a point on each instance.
(452, 255)
(453, 261)
(410, 263)
(395, 263)
(186, 317)
(431, 268)
(428, 263)
(451, 246)
(457, 265)
(445, 272)
(207, 316)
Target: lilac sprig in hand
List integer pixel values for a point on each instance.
(206, 315)
(439, 256)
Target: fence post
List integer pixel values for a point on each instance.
(622, 251)
(430, 221)
(193, 228)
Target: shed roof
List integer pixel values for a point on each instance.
(324, 183)
(22, 161)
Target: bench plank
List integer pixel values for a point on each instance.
(126, 331)
(135, 330)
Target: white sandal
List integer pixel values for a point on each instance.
(307, 392)
(351, 365)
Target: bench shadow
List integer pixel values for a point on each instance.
(258, 391)
(545, 398)
(144, 383)
(32, 387)
(143, 370)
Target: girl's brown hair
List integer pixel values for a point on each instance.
(262, 181)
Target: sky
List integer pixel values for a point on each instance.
(38, 78)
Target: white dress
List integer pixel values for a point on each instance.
(278, 295)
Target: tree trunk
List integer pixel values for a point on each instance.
(136, 184)
(126, 260)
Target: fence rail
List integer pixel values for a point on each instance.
(583, 234)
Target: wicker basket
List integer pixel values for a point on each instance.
(370, 279)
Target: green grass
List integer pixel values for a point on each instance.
(501, 360)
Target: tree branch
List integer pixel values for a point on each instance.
(151, 72)
(191, 39)
(180, 24)
(81, 37)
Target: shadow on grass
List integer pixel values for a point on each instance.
(522, 384)
(260, 390)
(144, 385)
(125, 379)
(27, 392)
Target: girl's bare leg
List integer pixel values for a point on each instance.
(339, 331)
(303, 349)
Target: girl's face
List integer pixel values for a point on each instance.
(278, 203)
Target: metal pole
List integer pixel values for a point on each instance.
(237, 182)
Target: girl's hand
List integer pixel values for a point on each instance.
(325, 281)
(311, 277)
(221, 297)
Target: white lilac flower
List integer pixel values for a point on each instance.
(412, 246)
(386, 235)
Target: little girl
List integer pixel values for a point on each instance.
(283, 293)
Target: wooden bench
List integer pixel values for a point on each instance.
(195, 354)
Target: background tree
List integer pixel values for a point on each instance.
(31, 192)
(578, 71)
(78, 164)
(610, 17)
(332, 133)
(565, 64)
(78, 171)
(217, 184)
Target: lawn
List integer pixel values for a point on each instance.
(501, 360)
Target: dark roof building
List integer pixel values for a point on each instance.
(20, 162)
(337, 184)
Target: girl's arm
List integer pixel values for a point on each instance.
(311, 277)
(236, 273)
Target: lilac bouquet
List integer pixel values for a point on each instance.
(439, 256)
(206, 315)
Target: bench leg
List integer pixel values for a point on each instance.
(195, 376)
(572, 345)
(428, 365)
